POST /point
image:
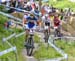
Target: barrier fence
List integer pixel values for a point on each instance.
(13, 48)
(64, 55)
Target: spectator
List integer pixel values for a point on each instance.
(21, 4)
(6, 25)
(28, 7)
(36, 12)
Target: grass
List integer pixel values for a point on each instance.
(18, 42)
(44, 53)
(36, 39)
(63, 4)
(68, 47)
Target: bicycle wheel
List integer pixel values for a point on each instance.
(46, 36)
(29, 51)
(30, 47)
(56, 33)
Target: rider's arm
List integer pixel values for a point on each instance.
(24, 20)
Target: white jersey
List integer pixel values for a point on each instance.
(44, 19)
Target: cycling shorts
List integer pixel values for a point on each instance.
(47, 23)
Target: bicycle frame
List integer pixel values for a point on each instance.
(30, 43)
(57, 31)
(47, 33)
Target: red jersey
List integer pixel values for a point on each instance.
(56, 21)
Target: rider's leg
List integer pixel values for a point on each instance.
(49, 28)
(44, 31)
(26, 33)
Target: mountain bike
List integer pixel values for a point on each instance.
(57, 32)
(30, 43)
(46, 33)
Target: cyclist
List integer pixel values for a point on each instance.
(31, 22)
(57, 24)
(46, 22)
(30, 27)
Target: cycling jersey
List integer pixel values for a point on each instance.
(46, 19)
(31, 22)
(56, 21)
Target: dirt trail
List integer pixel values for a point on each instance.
(36, 48)
(31, 58)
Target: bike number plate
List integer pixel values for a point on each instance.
(31, 31)
(46, 27)
(56, 27)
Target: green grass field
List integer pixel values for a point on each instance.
(63, 4)
(68, 47)
(18, 42)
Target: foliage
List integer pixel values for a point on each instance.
(63, 4)
(68, 47)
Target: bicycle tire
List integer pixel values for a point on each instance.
(46, 36)
(31, 47)
(56, 33)
(29, 51)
